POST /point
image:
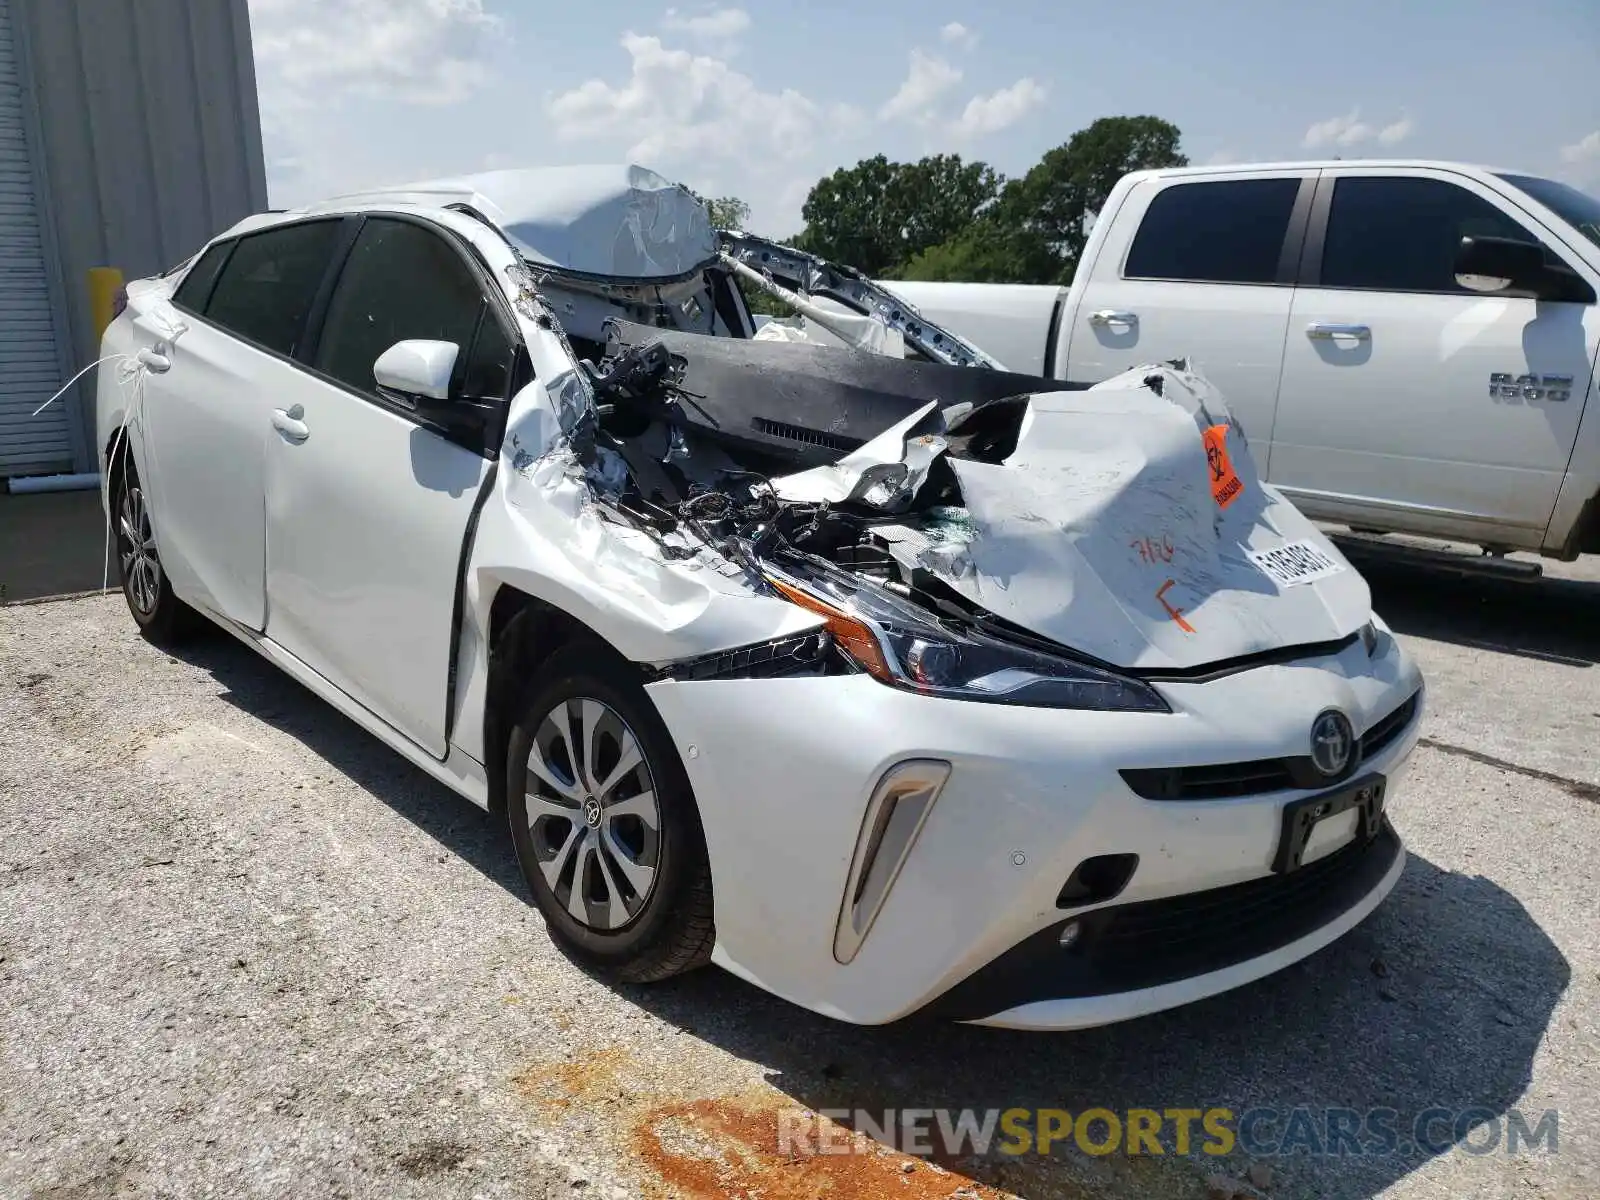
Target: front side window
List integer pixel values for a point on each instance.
(195, 288)
(401, 282)
(1226, 231)
(1579, 209)
(1398, 234)
(266, 289)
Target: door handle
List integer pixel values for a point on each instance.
(1110, 316)
(288, 423)
(155, 359)
(1332, 329)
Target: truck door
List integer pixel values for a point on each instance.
(1198, 267)
(1404, 392)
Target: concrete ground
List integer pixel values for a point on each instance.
(246, 951)
(50, 543)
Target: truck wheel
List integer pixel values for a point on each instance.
(605, 825)
(161, 616)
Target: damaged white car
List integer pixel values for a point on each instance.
(885, 678)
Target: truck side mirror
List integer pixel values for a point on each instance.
(1493, 264)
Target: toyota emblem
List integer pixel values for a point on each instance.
(1333, 742)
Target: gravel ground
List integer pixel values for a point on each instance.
(247, 951)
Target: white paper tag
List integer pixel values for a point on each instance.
(1295, 562)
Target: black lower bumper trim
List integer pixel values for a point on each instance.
(1128, 947)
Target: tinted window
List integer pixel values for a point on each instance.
(195, 288)
(267, 287)
(401, 281)
(484, 377)
(1579, 208)
(1230, 231)
(1401, 235)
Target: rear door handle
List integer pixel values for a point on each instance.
(288, 423)
(1332, 329)
(1111, 316)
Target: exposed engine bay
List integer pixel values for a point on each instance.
(741, 443)
(957, 526)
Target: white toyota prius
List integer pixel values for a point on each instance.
(825, 649)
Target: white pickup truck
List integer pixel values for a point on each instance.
(1410, 346)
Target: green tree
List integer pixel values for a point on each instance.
(1049, 210)
(727, 212)
(878, 214)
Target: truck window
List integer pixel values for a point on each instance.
(1397, 234)
(1227, 231)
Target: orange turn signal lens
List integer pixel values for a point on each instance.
(849, 633)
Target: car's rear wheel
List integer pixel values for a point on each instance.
(160, 615)
(605, 824)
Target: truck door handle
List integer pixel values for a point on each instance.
(1110, 316)
(1328, 329)
(288, 423)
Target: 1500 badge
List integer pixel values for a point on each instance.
(1530, 387)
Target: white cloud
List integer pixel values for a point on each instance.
(1582, 159)
(676, 107)
(1339, 131)
(958, 35)
(1396, 132)
(927, 80)
(718, 25)
(988, 114)
(1585, 150)
(416, 51)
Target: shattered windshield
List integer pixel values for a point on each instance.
(1578, 209)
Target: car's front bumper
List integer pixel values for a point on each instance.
(783, 770)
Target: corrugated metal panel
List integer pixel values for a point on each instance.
(148, 143)
(29, 364)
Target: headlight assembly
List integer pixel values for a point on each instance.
(904, 646)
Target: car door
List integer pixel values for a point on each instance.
(368, 504)
(1200, 268)
(1406, 393)
(246, 304)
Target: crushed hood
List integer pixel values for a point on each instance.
(1129, 524)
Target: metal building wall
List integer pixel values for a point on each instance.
(149, 141)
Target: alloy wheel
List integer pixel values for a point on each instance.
(593, 816)
(136, 549)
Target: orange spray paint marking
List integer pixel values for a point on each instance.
(1226, 486)
(1150, 550)
(1175, 613)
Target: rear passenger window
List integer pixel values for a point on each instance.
(265, 292)
(1230, 231)
(195, 289)
(401, 281)
(1400, 234)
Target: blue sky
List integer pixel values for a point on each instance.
(761, 100)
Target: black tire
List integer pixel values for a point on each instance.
(161, 616)
(626, 935)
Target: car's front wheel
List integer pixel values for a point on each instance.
(160, 615)
(605, 824)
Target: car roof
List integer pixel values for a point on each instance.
(617, 221)
(1318, 164)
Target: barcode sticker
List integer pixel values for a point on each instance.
(1295, 562)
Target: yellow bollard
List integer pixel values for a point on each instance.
(104, 283)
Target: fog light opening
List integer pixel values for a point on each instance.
(1069, 934)
(1096, 880)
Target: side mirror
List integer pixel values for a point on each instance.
(1493, 264)
(414, 372)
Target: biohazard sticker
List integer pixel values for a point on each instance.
(1226, 486)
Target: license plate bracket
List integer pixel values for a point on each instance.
(1300, 817)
